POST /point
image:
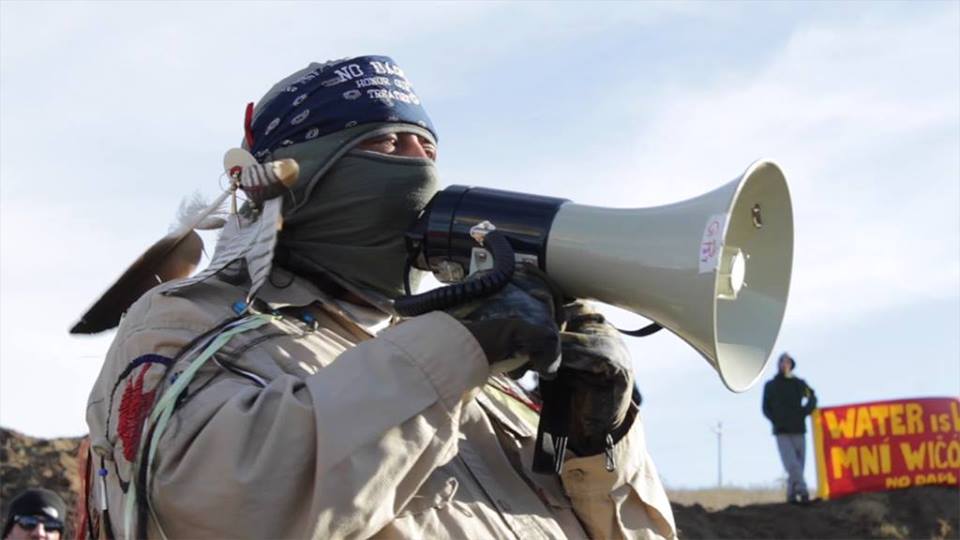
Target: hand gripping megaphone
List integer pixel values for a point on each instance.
(714, 270)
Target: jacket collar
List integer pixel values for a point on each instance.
(285, 289)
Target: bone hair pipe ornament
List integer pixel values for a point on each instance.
(176, 255)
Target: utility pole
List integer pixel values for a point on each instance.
(719, 432)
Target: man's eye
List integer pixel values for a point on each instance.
(429, 148)
(385, 141)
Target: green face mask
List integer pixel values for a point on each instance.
(355, 220)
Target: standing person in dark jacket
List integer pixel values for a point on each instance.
(783, 405)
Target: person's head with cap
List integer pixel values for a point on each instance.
(786, 364)
(35, 513)
(366, 151)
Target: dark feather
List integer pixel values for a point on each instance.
(172, 257)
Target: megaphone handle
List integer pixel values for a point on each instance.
(552, 430)
(459, 293)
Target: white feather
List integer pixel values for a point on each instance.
(196, 213)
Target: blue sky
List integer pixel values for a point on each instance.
(111, 113)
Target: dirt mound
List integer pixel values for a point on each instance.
(27, 462)
(923, 512)
(926, 512)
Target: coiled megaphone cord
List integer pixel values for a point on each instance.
(471, 289)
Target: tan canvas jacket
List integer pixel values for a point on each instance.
(309, 427)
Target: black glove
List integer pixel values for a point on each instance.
(597, 371)
(516, 327)
(587, 407)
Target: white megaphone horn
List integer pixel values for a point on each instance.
(714, 270)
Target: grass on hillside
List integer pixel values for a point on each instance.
(721, 497)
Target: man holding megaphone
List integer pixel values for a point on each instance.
(297, 388)
(277, 394)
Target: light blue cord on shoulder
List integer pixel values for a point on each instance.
(164, 407)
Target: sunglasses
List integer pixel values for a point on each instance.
(30, 523)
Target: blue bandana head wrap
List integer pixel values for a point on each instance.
(330, 97)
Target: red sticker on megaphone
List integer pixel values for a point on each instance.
(711, 243)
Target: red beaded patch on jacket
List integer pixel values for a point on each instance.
(135, 389)
(134, 407)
